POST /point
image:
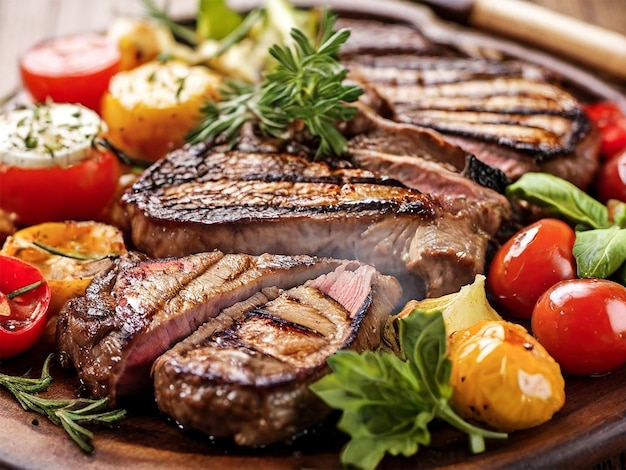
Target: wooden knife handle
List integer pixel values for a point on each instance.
(591, 45)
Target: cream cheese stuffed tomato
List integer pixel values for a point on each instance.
(49, 168)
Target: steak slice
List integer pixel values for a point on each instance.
(509, 113)
(246, 374)
(506, 117)
(200, 198)
(422, 159)
(139, 308)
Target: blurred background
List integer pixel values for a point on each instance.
(25, 22)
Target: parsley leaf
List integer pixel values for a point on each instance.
(388, 401)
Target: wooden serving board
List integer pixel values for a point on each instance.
(590, 428)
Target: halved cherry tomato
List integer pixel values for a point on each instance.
(612, 124)
(68, 254)
(70, 69)
(582, 324)
(611, 182)
(78, 192)
(534, 259)
(23, 316)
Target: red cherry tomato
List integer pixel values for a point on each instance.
(70, 69)
(614, 138)
(534, 259)
(78, 192)
(23, 316)
(612, 124)
(611, 182)
(582, 324)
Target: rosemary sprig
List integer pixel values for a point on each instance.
(70, 413)
(178, 30)
(239, 104)
(24, 289)
(66, 254)
(306, 85)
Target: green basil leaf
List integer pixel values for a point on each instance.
(619, 214)
(560, 198)
(215, 19)
(601, 252)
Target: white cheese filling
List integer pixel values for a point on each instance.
(58, 134)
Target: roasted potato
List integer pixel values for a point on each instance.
(151, 108)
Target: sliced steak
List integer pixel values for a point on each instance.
(246, 374)
(421, 159)
(199, 199)
(508, 113)
(379, 38)
(139, 308)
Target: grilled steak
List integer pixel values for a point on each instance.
(200, 198)
(421, 159)
(139, 308)
(246, 374)
(505, 112)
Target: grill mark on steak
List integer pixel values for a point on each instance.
(132, 313)
(246, 374)
(398, 39)
(185, 203)
(407, 69)
(507, 112)
(537, 118)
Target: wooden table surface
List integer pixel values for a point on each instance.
(25, 22)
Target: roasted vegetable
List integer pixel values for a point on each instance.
(151, 108)
(50, 168)
(503, 377)
(24, 306)
(388, 401)
(460, 310)
(68, 254)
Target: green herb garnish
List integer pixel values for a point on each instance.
(180, 85)
(215, 19)
(67, 413)
(66, 254)
(178, 30)
(23, 290)
(388, 401)
(306, 85)
(600, 246)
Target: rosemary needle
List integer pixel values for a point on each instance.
(70, 413)
(306, 85)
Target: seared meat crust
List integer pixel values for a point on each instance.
(246, 375)
(139, 308)
(201, 198)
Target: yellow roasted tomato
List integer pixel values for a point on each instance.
(503, 377)
(150, 109)
(68, 254)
